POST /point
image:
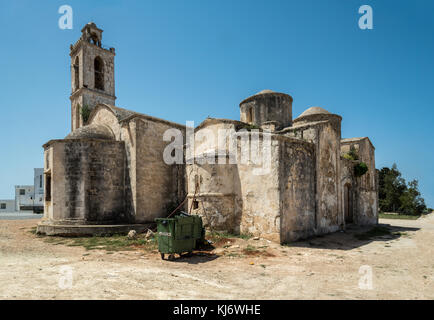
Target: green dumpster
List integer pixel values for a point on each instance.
(180, 234)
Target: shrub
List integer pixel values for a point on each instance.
(360, 169)
(352, 154)
(85, 113)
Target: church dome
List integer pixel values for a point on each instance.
(267, 106)
(315, 114)
(314, 110)
(92, 131)
(265, 91)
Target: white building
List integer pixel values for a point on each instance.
(27, 197)
(24, 198)
(7, 206)
(38, 205)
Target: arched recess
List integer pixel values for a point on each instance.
(250, 115)
(76, 73)
(99, 73)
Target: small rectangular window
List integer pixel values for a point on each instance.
(40, 181)
(3, 206)
(22, 192)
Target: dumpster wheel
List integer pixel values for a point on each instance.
(171, 257)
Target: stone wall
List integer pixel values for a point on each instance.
(160, 187)
(153, 188)
(366, 192)
(297, 183)
(329, 216)
(260, 193)
(325, 134)
(213, 192)
(87, 181)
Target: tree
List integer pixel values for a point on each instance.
(396, 196)
(411, 200)
(392, 186)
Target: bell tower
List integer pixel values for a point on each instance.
(92, 75)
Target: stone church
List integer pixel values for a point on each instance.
(109, 176)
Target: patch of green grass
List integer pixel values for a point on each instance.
(108, 243)
(216, 236)
(251, 248)
(397, 216)
(377, 231)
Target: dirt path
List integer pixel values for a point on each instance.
(402, 267)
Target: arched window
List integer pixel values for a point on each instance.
(94, 39)
(76, 74)
(99, 73)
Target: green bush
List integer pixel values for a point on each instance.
(85, 113)
(352, 154)
(360, 169)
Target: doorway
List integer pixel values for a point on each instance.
(348, 203)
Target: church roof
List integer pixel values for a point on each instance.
(266, 92)
(92, 131)
(314, 110)
(315, 113)
(121, 114)
(351, 140)
(126, 115)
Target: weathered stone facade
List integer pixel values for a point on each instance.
(310, 188)
(109, 171)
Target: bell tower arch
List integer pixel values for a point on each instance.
(92, 74)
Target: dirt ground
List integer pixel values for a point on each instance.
(327, 267)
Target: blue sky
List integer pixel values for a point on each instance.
(186, 60)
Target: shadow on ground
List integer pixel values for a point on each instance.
(196, 258)
(354, 237)
(201, 255)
